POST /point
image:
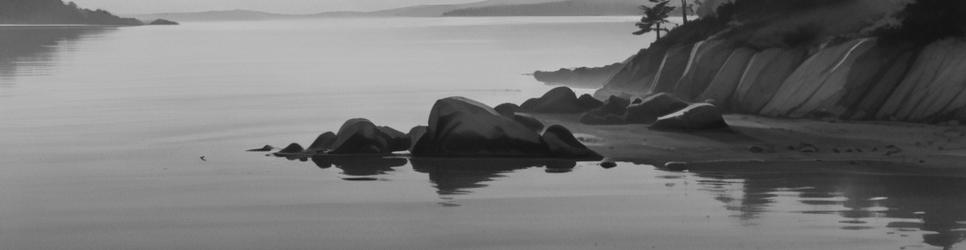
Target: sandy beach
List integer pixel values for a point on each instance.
(753, 140)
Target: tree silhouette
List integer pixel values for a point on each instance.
(654, 18)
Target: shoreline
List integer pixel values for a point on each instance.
(753, 141)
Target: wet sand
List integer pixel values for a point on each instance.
(902, 147)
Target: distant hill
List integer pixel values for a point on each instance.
(560, 8)
(564, 8)
(222, 15)
(56, 12)
(411, 11)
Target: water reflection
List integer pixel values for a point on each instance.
(455, 176)
(36, 47)
(904, 205)
(933, 205)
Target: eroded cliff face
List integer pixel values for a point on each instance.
(861, 78)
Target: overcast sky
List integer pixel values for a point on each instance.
(280, 6)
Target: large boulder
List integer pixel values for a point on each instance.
(292, 149)
(611, 113)
(695, 117)
(653, 107)
(507, 109)
(562, 144)
(460, 127)
(361, 136)
(588, 102)
(323, 143)
(415, 134)
(561, 100)
(529, 121)
(398, 141)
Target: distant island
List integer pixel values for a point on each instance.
(58, 12)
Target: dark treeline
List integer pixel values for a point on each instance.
(56, 12)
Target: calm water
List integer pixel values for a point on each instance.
(101, 130)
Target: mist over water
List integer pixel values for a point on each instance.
(102, 130)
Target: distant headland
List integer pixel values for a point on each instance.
(47, 12)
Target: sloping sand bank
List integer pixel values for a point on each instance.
(902, 147)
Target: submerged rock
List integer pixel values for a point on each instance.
(695, 117)
(654, 107)
(529, 121)
(462, 127)
(562, 144)
(561, 100)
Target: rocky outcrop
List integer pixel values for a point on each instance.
(653, 107)
(706, 62)
(862, 78)
(291, 149)
(415, 134)
(460, 127)
(507, 109)
(726, 80)
(672, 68)
(361, 136)
(324, 142)
(561, 100)
(529, 121)
(582, 77)
(611, 113)
(933, 88)
(698, 116)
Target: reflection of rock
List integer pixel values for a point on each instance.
(561, 100)
(463, 127)
(360, 165)
(459, 176)
(562, 144)
(361, 136)
(927, 203)
(696, 116)
(654, 107)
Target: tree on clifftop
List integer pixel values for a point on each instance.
(654, 17)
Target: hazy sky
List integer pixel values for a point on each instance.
(281, 6)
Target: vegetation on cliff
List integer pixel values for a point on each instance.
(56, 12)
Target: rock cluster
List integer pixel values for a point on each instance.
(458, 127)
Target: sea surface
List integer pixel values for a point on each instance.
(102, 131)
